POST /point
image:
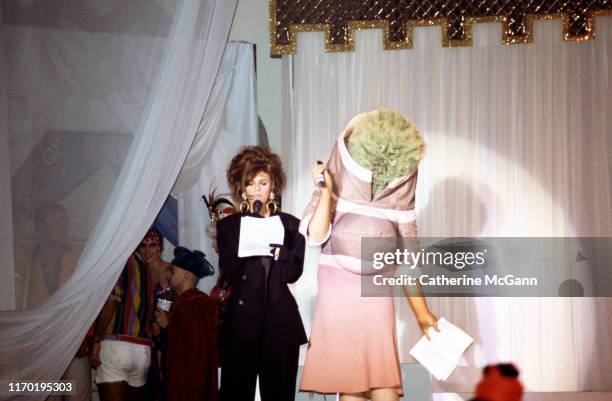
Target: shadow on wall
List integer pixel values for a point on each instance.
(475, 202)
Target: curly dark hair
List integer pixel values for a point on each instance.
(250, 161)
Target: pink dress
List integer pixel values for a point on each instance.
(353, 344)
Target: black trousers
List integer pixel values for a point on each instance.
(276, 367)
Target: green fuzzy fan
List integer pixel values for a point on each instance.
(386, 143)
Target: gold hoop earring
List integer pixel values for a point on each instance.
(244, 205)
(271, 205)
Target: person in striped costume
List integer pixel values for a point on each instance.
(121, 352)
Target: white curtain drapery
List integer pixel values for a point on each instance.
(229, 122)
(518, 144)
(230, 118)
(144, 80)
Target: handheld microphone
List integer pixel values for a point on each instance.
(320, 177)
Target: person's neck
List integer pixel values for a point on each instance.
(157, 268)
(159, 265)
(184, 287)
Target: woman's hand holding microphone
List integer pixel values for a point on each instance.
(320, 221)
(321, 177)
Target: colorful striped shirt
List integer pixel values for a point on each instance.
(134, 292)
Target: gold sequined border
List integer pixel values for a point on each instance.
(277, 50)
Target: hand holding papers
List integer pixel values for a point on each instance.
(256, 235)
(441, 354)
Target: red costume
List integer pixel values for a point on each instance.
(192, 348)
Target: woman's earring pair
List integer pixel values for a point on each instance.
(245, 207)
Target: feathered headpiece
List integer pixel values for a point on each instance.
(218, 207)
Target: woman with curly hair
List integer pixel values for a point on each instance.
(262, 329)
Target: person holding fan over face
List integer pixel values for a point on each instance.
(262, 329)
(366, 190)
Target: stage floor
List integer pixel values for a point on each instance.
(567, 396)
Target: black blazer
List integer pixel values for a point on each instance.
(255, 307)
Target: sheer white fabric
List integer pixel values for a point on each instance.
(100, 114)
(518, 144)
(230, 122)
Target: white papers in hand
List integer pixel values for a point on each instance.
(256, 235)
(442, 353)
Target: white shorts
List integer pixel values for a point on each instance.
(123, 361)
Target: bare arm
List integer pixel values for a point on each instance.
(104, 318)
(418, 304)
(69, 262)
(37, 287)
(321, 217)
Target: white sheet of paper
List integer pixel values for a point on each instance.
(256, 235)
(442, 353)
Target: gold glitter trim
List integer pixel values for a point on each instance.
(277, 50)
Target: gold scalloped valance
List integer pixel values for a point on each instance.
(339, 18)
